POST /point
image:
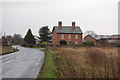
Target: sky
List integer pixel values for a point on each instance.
(17, 16)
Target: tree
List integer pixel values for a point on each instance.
(45, 34)
(29, 38)
(89, 33)
(4, 41)
(17, 39)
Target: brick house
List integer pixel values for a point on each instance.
(97, 38)
(72, 34)
(90, 38)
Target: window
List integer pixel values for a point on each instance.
(62, 36)
(69, 36)
(76, 36)
(76, 42)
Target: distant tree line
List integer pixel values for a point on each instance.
(16, 39)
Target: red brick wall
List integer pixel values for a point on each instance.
(89, 38)
(54, 38)
(57, 38)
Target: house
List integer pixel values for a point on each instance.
(37, 39)
(91, 38)
(97, 38)
(114, 39)
(70, 34)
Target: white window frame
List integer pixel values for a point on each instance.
(62, 36)
(76, 36)
(69, 36)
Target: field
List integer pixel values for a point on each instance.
(80, 62)
(6, 50)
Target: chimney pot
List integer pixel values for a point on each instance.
(73, 24)
(60, 23)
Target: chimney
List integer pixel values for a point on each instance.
(73, 24)
(60, 23)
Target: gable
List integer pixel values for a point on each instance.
(89, 36)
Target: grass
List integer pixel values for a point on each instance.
(6, 49)
(86, 62)
(49, 68)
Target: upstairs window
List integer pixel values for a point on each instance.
(69, 36)
(76, 36)
(62, 36)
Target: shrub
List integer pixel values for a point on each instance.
(24, 44)
(62, 42)
(43, 44)
(88, 43)
(69, 43)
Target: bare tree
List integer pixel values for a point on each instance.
(89, 33)
(17, 39)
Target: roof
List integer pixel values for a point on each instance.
(115, 36)
(98, 37)
(68, 29)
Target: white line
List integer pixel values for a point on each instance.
(7, 62)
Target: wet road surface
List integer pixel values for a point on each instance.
(25, 63)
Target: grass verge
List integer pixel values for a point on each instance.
(48, 69)
(7, 49)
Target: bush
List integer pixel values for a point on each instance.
(88, 43)
(24, 44)
(62, 42)
(69, 43)
(44, 44)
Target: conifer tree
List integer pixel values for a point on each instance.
(29, 38)
(45, 34)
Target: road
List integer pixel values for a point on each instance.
(25, 63)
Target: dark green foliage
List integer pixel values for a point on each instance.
(29, 38)
(24, 44)
(88, 43)
(62, 42)
(45, 34)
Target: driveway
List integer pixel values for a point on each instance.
(25, 63)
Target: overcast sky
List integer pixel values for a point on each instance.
(100, 16)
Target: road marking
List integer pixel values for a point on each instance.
(7, 62)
